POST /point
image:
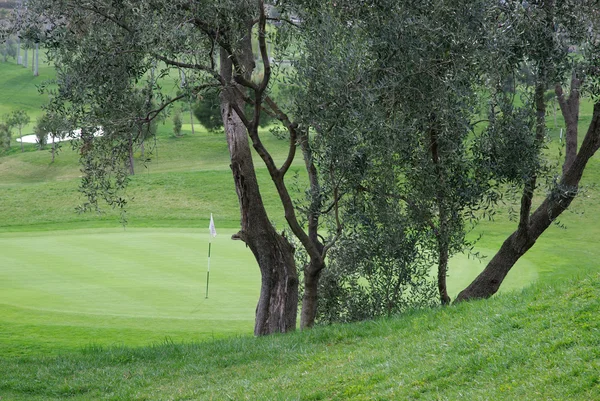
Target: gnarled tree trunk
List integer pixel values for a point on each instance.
(520, 241)
(278, 303)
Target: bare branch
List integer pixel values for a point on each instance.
(198, 67)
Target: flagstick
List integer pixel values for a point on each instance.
(213, 233)
(208, 271)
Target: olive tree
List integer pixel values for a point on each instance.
(104, 51)
(544, 35)
(394, 90)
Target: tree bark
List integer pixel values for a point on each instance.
(442, 232)
(520, 241)
(278, 303)
(130, 159)
(570, 111)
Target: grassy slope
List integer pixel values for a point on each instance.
(541, 344)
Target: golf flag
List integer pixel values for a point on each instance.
(213, 233)
(211, 227)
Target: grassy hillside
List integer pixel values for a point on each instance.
(541, 344)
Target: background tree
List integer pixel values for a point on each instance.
(8, 49)
(53, 126)
(394, 89)
(177, 124)
(19, 119)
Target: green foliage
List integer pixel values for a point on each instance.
(177, 124)
(19, 118)
(207, 110)
(5, 136)
(50, 124)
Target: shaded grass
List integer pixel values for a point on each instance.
(540, 344)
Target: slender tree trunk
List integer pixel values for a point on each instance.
(36, 70)
(53, 148)
(21, 137)
(442, 232)
(443, 271)
(312, 274)
(278, 303)
(520, 241)
(570, 111)
(131, 160)
(192, 118)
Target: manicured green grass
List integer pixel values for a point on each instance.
(74, 288)
(541, 344)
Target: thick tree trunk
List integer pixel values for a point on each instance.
(278, 303)
(520, 241)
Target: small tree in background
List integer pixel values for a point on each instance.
(207, 111)
(53, 125)
(19, 119)
(177, 124)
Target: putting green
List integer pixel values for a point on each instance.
(139, 286)
(123, 287)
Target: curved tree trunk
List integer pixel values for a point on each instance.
(520, 241)
(278, 303)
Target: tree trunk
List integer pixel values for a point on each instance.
(570, 111)
(278, 303)
(312, 273)
(130, 159)
(36, 70)
(520, 241)
(442, 234)
(192, 118)
(443, 272)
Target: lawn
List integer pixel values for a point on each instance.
(107, 287)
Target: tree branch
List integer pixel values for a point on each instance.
(198, 67)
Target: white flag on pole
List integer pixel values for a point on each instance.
(211, 227)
